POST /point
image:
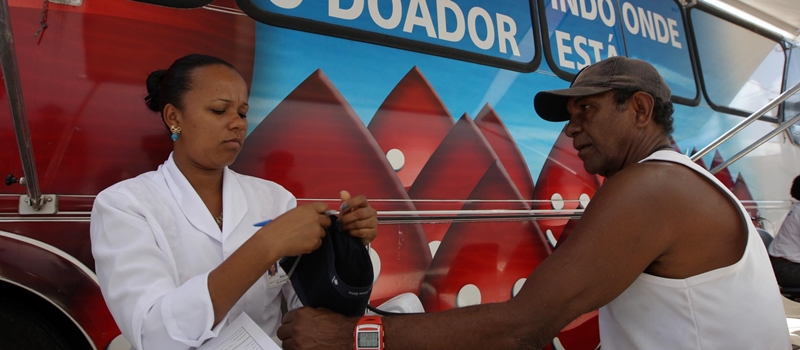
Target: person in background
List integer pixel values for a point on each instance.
(176, 250)
(664, 250)
(784, 251)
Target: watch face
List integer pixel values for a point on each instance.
(368, 339)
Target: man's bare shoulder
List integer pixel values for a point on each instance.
(650, 184)
(624, 229)
(662, 184)
(678, 209)
(648, 199)
(639, 201)
(653, 174)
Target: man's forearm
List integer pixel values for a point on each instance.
(489, 326)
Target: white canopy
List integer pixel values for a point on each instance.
(783, 14)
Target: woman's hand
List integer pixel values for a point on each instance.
(357, 217)
(298, 231)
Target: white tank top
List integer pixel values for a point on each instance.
(734, 307)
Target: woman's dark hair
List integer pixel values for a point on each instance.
(662, 110)
(796, 188)
(168, 86)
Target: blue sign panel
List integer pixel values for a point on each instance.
(582, 32)
(654, 32)
(500, 29)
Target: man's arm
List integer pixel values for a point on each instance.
(620, 234)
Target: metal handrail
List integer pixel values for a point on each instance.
(744, 123)
(8, 60)
(755, 145)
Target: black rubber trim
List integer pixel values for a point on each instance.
(178, 4)
(693, 59)
(547, 50)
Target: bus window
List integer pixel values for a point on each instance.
(741, 69)
(792, 105)
(497, 33)
(655, 32)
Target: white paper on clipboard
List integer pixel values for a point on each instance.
(241, 334)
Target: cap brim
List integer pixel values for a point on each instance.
(552, 105)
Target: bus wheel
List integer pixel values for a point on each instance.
(26, 324)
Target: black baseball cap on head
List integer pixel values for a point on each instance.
(337, 276)
(617, 72)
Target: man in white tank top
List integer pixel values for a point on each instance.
(667, 253)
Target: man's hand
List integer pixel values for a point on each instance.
(307, 328)
(357, 217)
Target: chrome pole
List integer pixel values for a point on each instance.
(8, 60)
(755, 145)
(744, 123)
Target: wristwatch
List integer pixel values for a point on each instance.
(368, 334)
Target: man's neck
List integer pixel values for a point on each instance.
(643, 150)
(647, 147)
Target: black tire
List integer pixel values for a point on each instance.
(30, 323)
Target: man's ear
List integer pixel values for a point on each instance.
(642, 103)
(171, 115)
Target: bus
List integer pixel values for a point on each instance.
(424, 106)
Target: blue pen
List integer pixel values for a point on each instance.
(259, 224)
(327, 212)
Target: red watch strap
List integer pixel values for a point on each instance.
(370, 320)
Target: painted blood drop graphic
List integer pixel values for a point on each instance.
(723, 175)
(563, 184)
(488, 260)
(410, 124)
(452, 172)
(506, 148)
(315, 145)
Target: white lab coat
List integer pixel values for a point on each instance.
(154, 243)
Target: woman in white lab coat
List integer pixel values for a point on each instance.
(176, 251)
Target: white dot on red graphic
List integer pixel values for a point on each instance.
(376, 263)
(396, 159)
(551, 238)
(557, 344)
(584, 198)
(517, 286)
(557, 201)
(434, 246)
(468, 295)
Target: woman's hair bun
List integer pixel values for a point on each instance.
(171, 85)
(153, 86)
